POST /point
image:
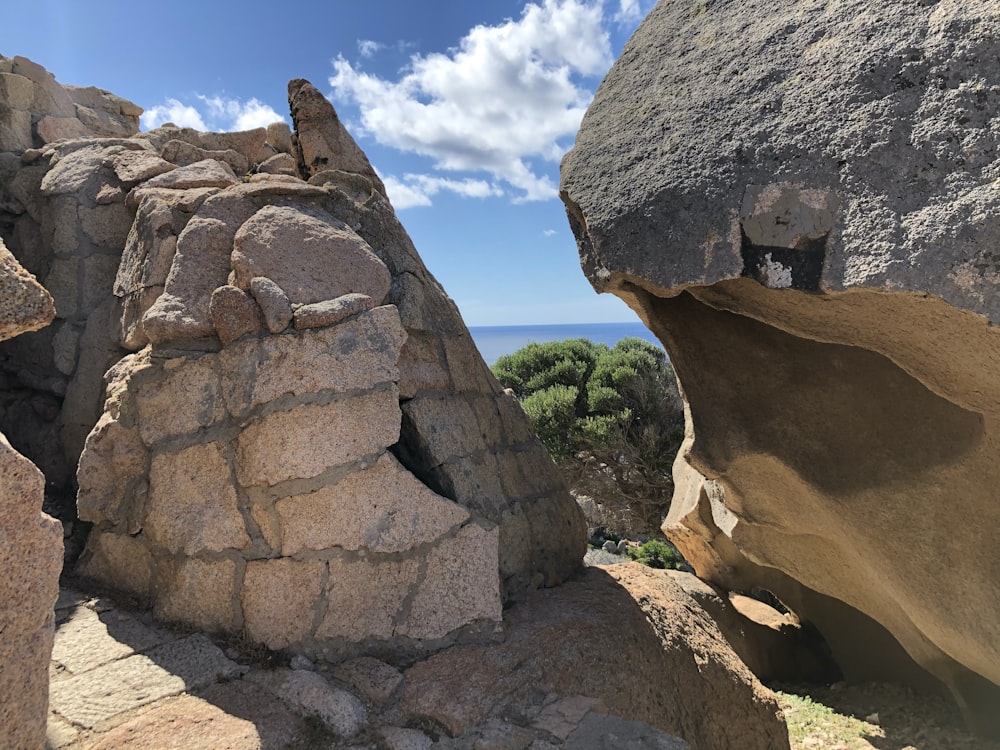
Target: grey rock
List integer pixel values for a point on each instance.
(331, 311)
(398, 738)
(24, 304)
(279, 137)
(309, 693)
(279, 164)
(205, 173)
(295, 246)
(602, 732)
(370, 677)
(87, 640)
(274, 303)
(31, 556)
(234, 314)
(94, 697)
(872, 146)
(182, 154)
(323, 142)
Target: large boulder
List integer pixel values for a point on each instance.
(625, 637)
(802, 204)
(31, 554)
(24, 304)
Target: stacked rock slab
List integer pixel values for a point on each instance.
(802, 205)
(31, 556)
(295, 436)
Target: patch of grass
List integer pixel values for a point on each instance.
(812, 724)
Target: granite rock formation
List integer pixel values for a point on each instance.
(31, 553)
(671, 666)
(802, 204)
(35, 109)
(268, 409)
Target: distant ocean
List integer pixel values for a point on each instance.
(495, 341)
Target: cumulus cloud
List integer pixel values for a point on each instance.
(507, 100)
(417, 189)
(172, 110)
(214, 113)
(241, 115)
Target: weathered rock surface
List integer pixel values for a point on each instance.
(132, 685)
(24, 303)
(321, 141)
(321, 242)
(802, 206)
(36, 110)
(31, 552)
(673, 669)
(31, 559)
(268, 318)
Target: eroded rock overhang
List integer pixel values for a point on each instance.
(802, 205)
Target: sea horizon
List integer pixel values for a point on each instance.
(495, 341)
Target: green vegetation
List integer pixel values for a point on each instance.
(655, 554)
(812, 724)
(610, 417)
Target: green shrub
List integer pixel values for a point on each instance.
(610, 417)
(655, 554)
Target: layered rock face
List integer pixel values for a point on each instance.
(281, 425)
(31, 554)
(801, 203)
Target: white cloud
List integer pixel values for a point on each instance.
(215, 113)
(238, 115)
(507, 100)
(417, 189)
(628, 12)
(631, 12)
(549, 232)
(172, 110)
(368, 47)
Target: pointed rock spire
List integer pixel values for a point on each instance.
(324, 143)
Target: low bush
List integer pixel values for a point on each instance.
(656, 554)
(611, 417)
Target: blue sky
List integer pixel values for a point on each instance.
(464, 108)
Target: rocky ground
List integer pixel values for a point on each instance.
(875, 716)
(119, 681)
